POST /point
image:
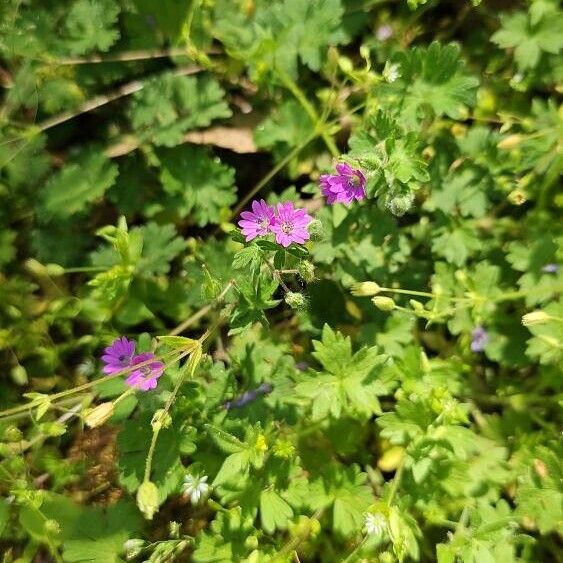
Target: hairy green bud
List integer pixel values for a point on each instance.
(316, 230)
(306, 270)
(295, 300)
(52, 527)
(399, 204)
(13, 434)
(160, 419)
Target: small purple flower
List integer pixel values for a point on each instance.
(479, 339)
(345, 186)
(290, 224)
(248, 396)
(384, 32)
(258, 222)
(550, 268)
(146, 376)
(119, 355)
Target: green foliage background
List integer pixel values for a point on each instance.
(132, 134)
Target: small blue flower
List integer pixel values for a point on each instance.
(479, 339)
(550, 268)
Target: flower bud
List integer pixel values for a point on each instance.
(133, 548)
(147, 499)
(161, 419)
(510, 142)
(383, 303)
(261, 445)
(174, 529)
(295, 300)
(316, 230)
(417, 306)
(251, 542)
(52, 527)
(54, 270)
(535, 318)
(366, 289)
(517, 197)
(13, 434)
(399, 204)
(306, 271)
(284, 449)
(98, 415)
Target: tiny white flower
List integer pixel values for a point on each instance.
(375, 524)
(391, 72)
(195, 486)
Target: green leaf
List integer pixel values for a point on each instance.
(276, 34)
(197, 184)
(530, 35)
(249, 257)
(275, 513)
(179, 343)
(350, 382)
(160, 247)
(170, 105)
(77, 184)
(90, 25)
(433, 78)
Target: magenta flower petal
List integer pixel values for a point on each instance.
(118, 356)
(146, 376)
(290, 224)
(345, 186)
(258, 222)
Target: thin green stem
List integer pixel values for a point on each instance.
(396, 481)
(422, 294)
(273, 172)
(299, 95)
(84, 269)
(354, 552)
(195, 357)
(203, 311)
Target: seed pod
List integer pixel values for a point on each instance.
(147, 499)
(383, 303)
(366, 289)
(98, 415)
(535, 318)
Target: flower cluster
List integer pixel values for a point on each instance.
(121, 355)
(284, 221)
(347, 185)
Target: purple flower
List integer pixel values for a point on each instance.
(145, 377)
(248, 396)
(119, 355)
(479, 339)
(550, 268)
(258, 222)
(384, 32)
(345, 186)
(290, 224)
